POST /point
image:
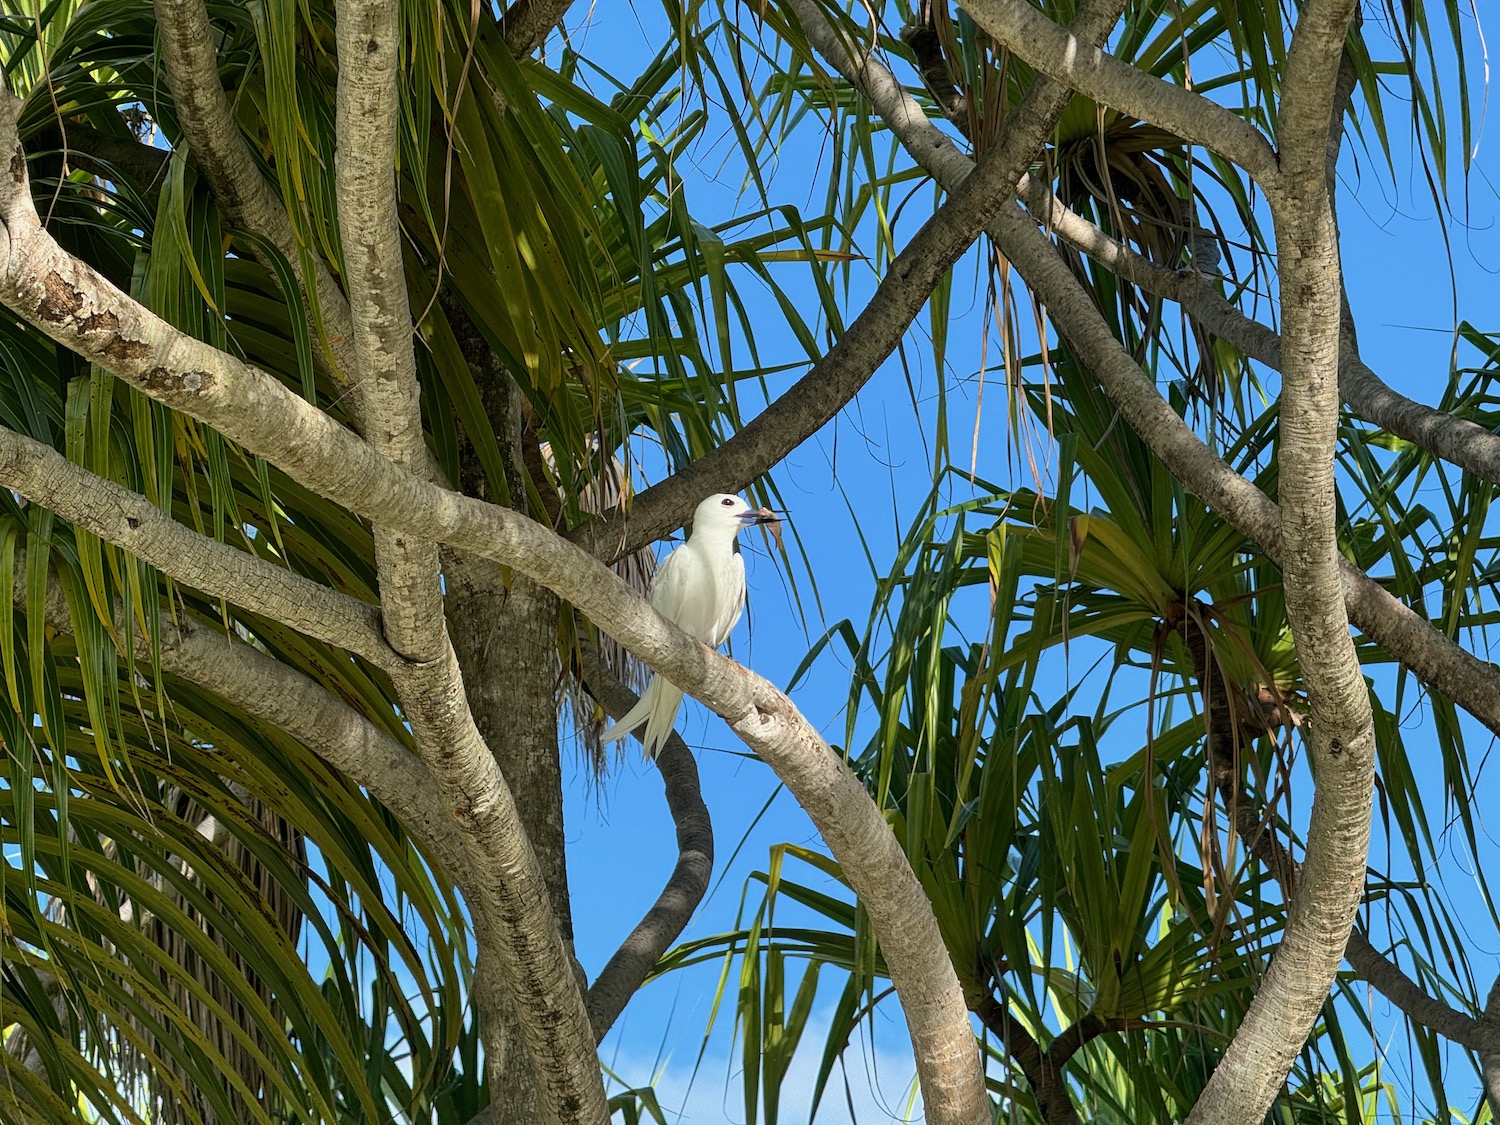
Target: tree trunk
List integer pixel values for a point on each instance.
(504, 631)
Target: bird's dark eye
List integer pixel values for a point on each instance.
(728, 502)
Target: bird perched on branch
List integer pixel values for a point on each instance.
(701, 587)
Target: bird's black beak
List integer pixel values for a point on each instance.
(764, 515)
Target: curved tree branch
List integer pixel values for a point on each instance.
(271, 691)
(1079, 65)
(1043, 1075)
(1455, 440)
(533, 957)
(638, 954)
(835, 379)
(285, 698)
(1370, 603)
(130, 521)
(512, 897)
(1341, 733)
(1251, 824)
(411, 599)
(1477, 1033)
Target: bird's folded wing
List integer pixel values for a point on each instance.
(670, 587)
(731, 591)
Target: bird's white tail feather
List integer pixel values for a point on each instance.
(657, 709)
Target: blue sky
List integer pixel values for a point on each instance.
(620, 840)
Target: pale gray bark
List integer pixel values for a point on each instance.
(73, 300)
(128, 520)
(505, 636)
(1470, 682)
(385, 383)
(1456, 440)
(271, 691)
(510, 631)
(77, 308)
(1477, 1033)
(1340, 735)
(277, 694)
(943, 160)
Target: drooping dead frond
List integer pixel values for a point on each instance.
(608, 490)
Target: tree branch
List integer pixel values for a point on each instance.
(1341, 734)
(191, 61)
(349, 742)
(280, 695)
(527, 23)
(104, 154)
(533, 955)
(1455, 440)
(1481, 1034)
(369, 31)
(834, 380)
(1079, 65)
(1404, 632)
(1489, 1056)
(512, 894)
(642, 949)
(130, 521)
(1043, 1075)
(1251, 824)
(1408, 637)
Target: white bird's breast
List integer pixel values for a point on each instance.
(704, 593)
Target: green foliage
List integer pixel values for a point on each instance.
(194, 902)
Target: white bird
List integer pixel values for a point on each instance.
(701, 587)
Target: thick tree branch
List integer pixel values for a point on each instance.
(1408, 637)
(191, 61)
(1048, 1086)
(130, 521)
(1455, 440)
(104, 154)
(545, 998)
(1253, 827)
(277, 694)
(512, 896)
(1079, 65)
(1481, 1034)
(280, 695)
(527, 23)
(369, 31)
(1402, 628)
(834, 380)
(80, 309)
(638, 954)
(1340, 735)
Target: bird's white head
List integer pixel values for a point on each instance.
(721, 517)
